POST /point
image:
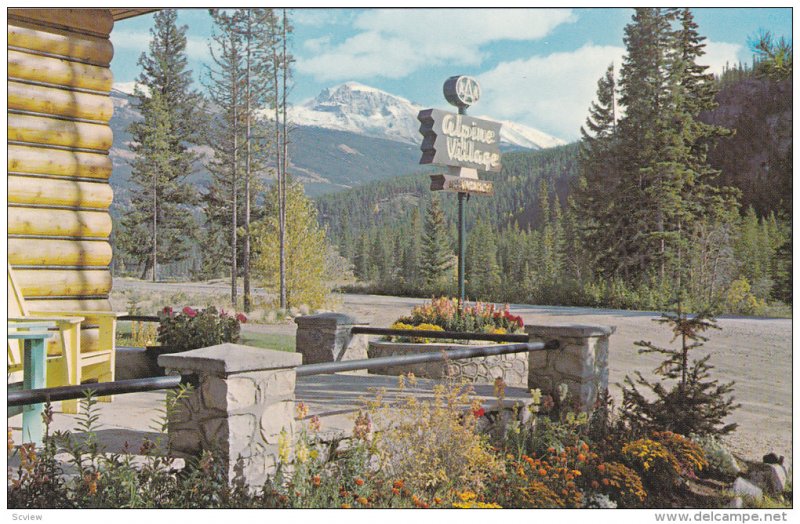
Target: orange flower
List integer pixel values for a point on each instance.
(584, 446)
(437, 500)
(581, 457)
(601, 468)
(363, 501)
(398, 484)
(605, 482)
(542, 472)
(316, 480)
(595, 484)
(395, 491)
(346, 506)
(359, 482)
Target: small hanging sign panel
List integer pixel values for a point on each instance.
(460, 184)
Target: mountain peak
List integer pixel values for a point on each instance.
(362, 109)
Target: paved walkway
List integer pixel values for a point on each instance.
(336, 399)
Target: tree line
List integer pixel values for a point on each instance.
(242, 118)
(634, 215)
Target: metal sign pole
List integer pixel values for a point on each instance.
(462, 237)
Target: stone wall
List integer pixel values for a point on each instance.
(581, 363)
(326, 338)
(244, 399)
(512, 368)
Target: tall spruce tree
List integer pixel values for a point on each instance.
(437, 257)
(158, 226)
(652, 161)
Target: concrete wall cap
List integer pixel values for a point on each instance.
(328, 319)
(225, 359)
(570, 330)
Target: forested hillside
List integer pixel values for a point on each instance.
(623, 218)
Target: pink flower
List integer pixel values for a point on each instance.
(189, 312)
(222, 313)
(167, 311)
(241, 318)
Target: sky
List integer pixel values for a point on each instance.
(538, 67)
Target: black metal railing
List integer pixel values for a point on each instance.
(37, 396)
(421, 358)
(137, 385)
(452, 335)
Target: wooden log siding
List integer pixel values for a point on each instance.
(58, 166)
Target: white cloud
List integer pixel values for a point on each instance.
(552, 92)
(196, 47)
(320, 17)
(395, 43)
(718, 54)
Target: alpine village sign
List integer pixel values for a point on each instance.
(461, 143)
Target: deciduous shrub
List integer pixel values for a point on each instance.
(192, 328)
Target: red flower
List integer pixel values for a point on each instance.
(241, 318)
(189, 312)
(167, 311)
(478, 412)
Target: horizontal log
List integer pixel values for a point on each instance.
(58, 222)
(91, 304)
(60, 42)
(62, 282)
(96, 21)
(55, 132)
(42, 161)
(25, 66)
(54, 101)
(41, 252)
(49, 191)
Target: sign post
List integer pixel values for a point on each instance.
(464, 145)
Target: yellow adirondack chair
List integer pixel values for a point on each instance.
(71, 358)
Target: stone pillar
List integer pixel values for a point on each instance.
(581, 363)
(244, 398)
(326, 338)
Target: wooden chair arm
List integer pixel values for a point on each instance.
(48, 317)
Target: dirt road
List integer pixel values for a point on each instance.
(756, 353)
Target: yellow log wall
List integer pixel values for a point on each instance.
(58, 166)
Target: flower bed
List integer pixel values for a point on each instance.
(445, 314)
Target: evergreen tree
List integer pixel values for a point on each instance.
(158, 226)
(482, 270)
(437, 257)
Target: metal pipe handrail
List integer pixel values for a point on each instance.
(421, 358)
(454, 335)
(138, 318)
(136, 385)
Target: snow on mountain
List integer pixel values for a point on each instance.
(362, 109)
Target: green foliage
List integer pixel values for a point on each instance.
(774, 57)
(158, 223)
(437, 256)
(192, 329)
(306, 246)
(685, 399)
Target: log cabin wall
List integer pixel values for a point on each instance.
(59, 195)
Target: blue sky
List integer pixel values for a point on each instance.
(536, 66)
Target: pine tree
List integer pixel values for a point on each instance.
(437, 256)
(482, 270)
(158, 226)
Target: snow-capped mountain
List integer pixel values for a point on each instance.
(362, 109)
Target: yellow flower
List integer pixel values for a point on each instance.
(284, 447)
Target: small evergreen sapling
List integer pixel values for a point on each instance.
(695, 403)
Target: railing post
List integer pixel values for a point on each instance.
(326, 338)
(244, 399)
(581, 363)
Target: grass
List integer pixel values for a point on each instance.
(268, 341)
